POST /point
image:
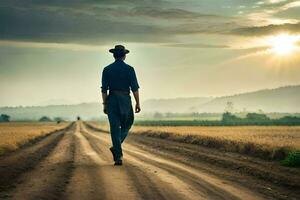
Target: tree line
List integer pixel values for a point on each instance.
(258, 119)
(228, 119)
(4, 118)
(7, 118)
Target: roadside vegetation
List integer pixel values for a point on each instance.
(15, 134)
(4, 118)
(228, 119)
(292, 159)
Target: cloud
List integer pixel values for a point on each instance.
(205, 27)
(275, 1)
(267, 30)
(267, 10)
(50, 26)
(94, 22)
(279, 6)
(41, 45)
(173, 13)
(76, 3)
(196, 45)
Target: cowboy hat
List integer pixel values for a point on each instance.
(119, 49)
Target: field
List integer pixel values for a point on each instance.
(76, 163)
(14, 135)
(267, 142)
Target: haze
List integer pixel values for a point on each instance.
(54, 51)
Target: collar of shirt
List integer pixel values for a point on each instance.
(119, 60)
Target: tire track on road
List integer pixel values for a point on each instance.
(150, 187)
(49, 178)
(95, 177)
(168, 184)
(144, 185)
(12, 166)
(265, 170)
(206, 186)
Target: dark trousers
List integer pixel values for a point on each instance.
(121, 117)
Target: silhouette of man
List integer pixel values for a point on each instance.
(119, 78)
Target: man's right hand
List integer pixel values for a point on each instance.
(137, 101)
(137, 108)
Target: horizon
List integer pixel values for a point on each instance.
(57, 50)
(157, 99)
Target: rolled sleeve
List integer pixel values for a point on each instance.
(104, 81)
(133, 81)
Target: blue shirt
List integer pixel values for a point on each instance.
(119, 76)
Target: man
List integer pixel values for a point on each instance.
(119, 78)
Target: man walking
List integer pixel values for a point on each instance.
(119, 78)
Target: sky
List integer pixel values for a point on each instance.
(55, 51)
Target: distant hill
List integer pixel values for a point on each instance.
(179, 105)
(56, 102)
(283, 99)
(69, 112)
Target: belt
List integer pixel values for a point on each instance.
(124, 92)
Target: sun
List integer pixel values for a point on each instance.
(283, 44)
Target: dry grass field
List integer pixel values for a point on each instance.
(14, 134)
(76, 163)
(267, 142)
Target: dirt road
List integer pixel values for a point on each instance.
(77, 164)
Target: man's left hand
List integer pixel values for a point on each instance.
(105, 109)
(137, 108)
